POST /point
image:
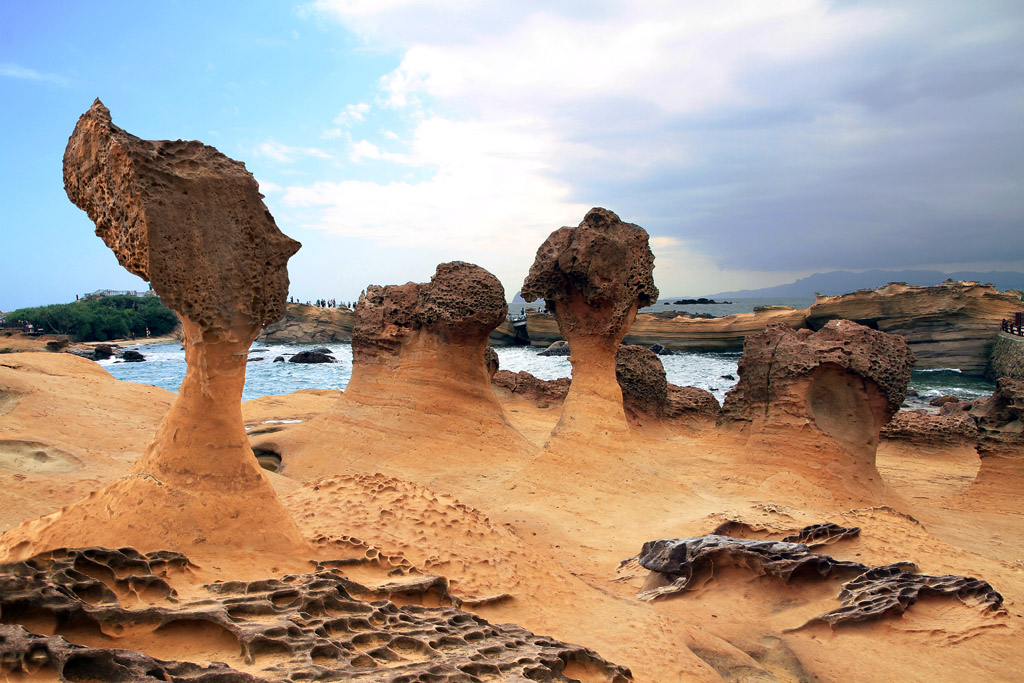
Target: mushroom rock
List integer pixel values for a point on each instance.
(192, 222)
(816, 393)
(593, 279)
(1000, 420)
(420, 386)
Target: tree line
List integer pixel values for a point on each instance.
(101, 319)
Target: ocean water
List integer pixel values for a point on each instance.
(715, 372)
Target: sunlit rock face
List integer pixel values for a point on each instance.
(192, 222)
(1000, 420)
(593, 278)
(420, 392)
(820, 392)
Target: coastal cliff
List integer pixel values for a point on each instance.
(305, 324)
(951, 325)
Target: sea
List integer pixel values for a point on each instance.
(715, 372)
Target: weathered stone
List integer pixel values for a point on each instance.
(316, 626)
(925, 429)
(943, 400)
(874, 593)
(661, 350)
(1000, 420)
(132, 356)
(641, 376)
(304, 324)
(692, 402)
(102, 351)
(558, 348)
(524, 385)
(593, 279)
(311, 357)
(191, 221)
(491, 361)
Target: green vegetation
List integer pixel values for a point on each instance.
(102, 319)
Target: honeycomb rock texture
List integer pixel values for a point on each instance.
(604, 261)
(775, 360)
(298, 628)
(1000, 419)
(491, 361)
(525, 385)
(873, 593)
(925, 429)
(691, 401)
(641, 377)
(461, 304)
(184, 217)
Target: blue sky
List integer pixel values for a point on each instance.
(756, 141)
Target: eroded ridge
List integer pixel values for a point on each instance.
(593, 278)
(297, 628)
(873, 593)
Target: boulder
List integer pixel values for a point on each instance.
(524, 385)
(921, 428)
(132, 356)
(641, 376)
(102, 351)
(661, 350)
(311, 357)
(943, 400)
(191, 221)
(593, 278)
(491, 361)
(692, 402)
(824, 394)
(279, 359)
(558, 348)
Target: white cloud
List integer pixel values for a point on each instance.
(12, 70)
(286, 154)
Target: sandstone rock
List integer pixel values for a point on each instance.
(190, 221)
(951, 325)
(525, 385)
(491, 361)
(315, 626)
(844, 381)
(661, 350)
(419, 381)
(943, 400)
(304, 324)
(1000, 420)
(924, 429)
(641, 376)
(311, 357)
(593, 279)
(279, 359)
(558, 348)
(56, 345)
(692, 402)
(874, 593)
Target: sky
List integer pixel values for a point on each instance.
(757, 142)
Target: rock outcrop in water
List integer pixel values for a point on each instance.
(835, 387)
(190, 221)
(593, 279)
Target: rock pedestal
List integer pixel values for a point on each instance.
(191, 221)
(1000, 420)
(817, 401)
(593, 278)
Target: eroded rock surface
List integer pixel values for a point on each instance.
(593, 279)
(844, 381)
(191, 221)
(1000, 419)
(315, 626)
(641, 376)
(925, 429)
(874, 593)
(525, 385)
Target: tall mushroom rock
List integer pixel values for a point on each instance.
(192, 222)
(593, 278)
(839, 386)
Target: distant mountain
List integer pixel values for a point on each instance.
(844, 282)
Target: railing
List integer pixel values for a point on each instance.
(1014, 327)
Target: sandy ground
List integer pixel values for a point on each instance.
(537, 537)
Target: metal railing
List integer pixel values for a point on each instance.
(1016, 326)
